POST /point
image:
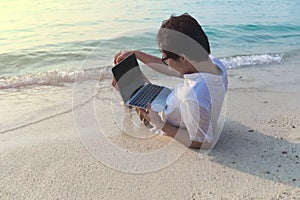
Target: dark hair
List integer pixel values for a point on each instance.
(188, 26)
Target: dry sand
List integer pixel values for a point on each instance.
(257, 156)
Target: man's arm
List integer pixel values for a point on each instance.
(153, 62)
(181, 135)
(156, 64)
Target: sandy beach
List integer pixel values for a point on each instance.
(66, 134)
(256, 157)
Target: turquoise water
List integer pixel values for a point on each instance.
(52, 35)
(46, 45)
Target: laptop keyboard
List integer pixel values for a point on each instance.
(146, 95)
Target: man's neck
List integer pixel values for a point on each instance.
(203, 67)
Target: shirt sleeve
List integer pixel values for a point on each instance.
(196, 120)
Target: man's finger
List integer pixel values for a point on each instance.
(116, 57)
(148, 107)
(143, 112)
(113, 82)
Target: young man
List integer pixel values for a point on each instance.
(193, 108)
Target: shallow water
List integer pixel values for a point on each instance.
(47, 46)
(58, 35)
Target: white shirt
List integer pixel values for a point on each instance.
(196, 104)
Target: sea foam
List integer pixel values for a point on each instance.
(60, 77)
(251, 60)
(55, 77)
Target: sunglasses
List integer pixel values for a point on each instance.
(163, 59)
(169, 55)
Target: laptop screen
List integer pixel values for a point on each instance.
(128, 76)
(125, 66)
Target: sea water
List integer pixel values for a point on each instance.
(46, 46)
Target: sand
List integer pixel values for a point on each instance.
(257, 156)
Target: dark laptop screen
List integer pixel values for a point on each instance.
(128, 76)
(125, 66)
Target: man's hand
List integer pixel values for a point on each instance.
(121, 55)
(118, 58)
(114, 84)
(152, 117)
(142, 118)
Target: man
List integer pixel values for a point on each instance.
(193, 108)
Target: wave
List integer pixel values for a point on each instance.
(53, 78)
(59, 77)
(252, 60)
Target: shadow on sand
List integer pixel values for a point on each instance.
(244, 149)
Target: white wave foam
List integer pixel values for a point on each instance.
(251, 60)
(59, 77)
(55, 77)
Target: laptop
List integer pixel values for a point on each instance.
(135, 89)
